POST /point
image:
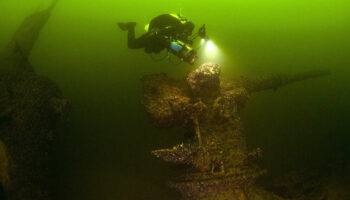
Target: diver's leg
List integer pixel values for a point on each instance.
(133, 43)
(137, 43)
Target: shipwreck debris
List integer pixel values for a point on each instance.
(219, 165)
(30, 106)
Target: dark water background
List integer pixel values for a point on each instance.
(103, 150)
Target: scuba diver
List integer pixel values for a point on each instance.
(167, 31)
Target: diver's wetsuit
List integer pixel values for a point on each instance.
(160, 29)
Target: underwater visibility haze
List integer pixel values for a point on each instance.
(82, 116)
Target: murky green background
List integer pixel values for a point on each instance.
(103, 151)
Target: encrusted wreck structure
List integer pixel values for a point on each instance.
(30, 105)
(216, 162)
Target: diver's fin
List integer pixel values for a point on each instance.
(126, 26)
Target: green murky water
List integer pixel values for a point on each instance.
(103, 151)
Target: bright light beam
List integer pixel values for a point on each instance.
(210, 47)
(202, 41)
(210, 52)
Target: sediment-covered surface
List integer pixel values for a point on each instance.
(216, 162)
(30, 106)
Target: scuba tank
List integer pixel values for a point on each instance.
(183, 51)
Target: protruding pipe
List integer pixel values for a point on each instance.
(196, 128)
(275, 81)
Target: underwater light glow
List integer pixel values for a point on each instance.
(210, 52)
(210, 47)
